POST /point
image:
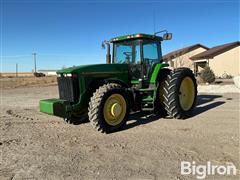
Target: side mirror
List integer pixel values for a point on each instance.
(167, 36)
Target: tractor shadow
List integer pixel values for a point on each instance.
(207, 102)
(204, 103)
(141, 118)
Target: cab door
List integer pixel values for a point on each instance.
(129, 52)
(151, 56)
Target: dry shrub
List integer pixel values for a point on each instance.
(207, 75)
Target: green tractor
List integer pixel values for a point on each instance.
(134, 79)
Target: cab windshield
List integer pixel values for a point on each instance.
(127, 52)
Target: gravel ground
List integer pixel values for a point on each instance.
(218, 89)
(38, 146)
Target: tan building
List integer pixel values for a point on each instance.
(181, 57)
(223, 60)
(48, 72)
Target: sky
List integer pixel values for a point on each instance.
(64, 33)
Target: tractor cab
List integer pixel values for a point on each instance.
(141, 51)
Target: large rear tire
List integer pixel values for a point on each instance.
(159, 104)
(180, 93)
(109, 108)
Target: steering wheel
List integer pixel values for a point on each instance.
(127, 54)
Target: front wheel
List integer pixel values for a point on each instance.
(180, 93)
(109, 108)
(76, 118)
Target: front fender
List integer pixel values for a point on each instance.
(117, 81)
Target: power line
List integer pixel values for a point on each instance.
(16, 56)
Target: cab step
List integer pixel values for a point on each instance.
(147, 103)
(148, 99)
(147, 107)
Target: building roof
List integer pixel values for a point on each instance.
(46, 70)
(211, 53)
(182, 51)
(136, 36)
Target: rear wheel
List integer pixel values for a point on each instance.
(108, 108)
(160, 107)
(180, 93)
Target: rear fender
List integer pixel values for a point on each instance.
(158, 71)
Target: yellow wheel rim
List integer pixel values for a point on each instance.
(114, 109)
(187, 93)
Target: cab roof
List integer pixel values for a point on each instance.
(136, 36)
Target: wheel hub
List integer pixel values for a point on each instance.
(116, 109)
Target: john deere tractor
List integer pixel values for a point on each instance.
(133, 79)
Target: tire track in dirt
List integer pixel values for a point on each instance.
(11, 113)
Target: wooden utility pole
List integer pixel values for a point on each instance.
(35, 63)
(16, 69)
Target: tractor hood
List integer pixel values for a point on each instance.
(95, 69)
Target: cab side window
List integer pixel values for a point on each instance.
(150, 52)
(150, 56)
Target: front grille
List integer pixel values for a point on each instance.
(68, 88)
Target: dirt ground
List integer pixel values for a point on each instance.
(13, 82)
(38, 146)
